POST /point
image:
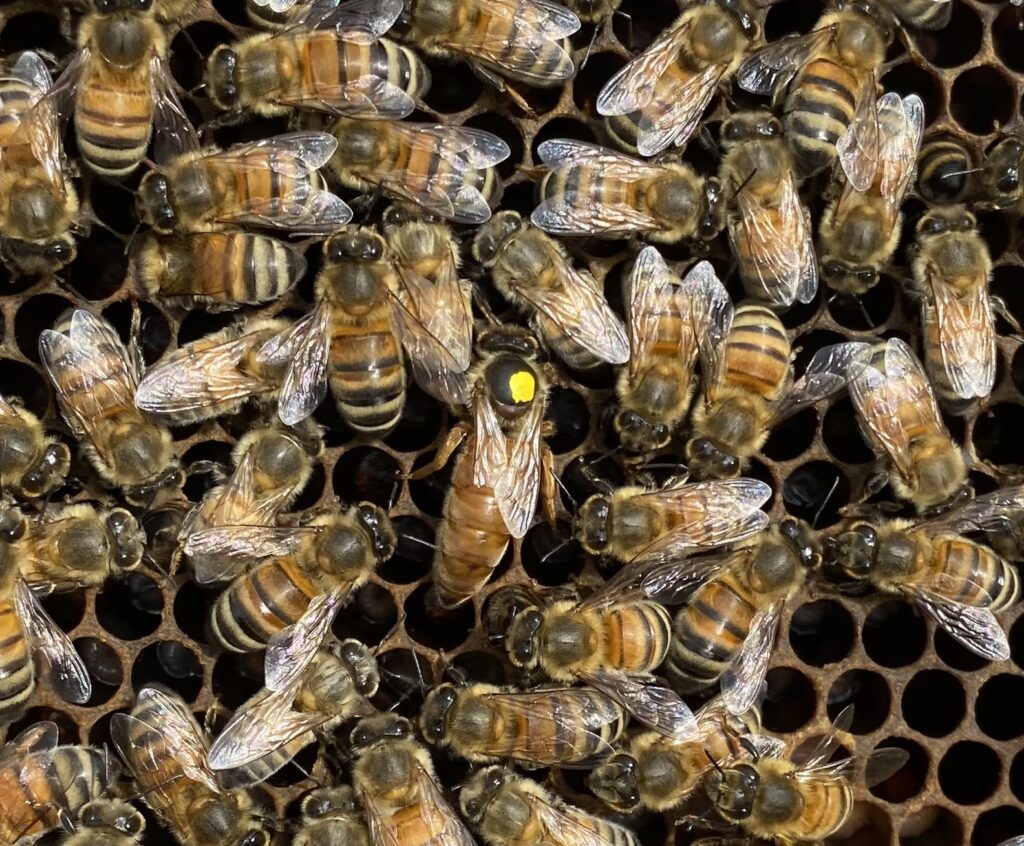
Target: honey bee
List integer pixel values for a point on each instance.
(521, 40)
(944, 168)
(448, 170)
(659, 773)
(776, 799)
(499, 473)
(73, 546)
(670, 323)
(860, 229)
(314, 689)
(901, 421)
(727, 628)
(95, 378)
(271, 468)
(329, 58)
(643, 526)
(538, 728)
(658, 98)
(330, 816)
(32, 463)
(595, 191)
(312, 570)
(510, 810)
(213, 376)
(120, 88)
(1000, 178)
(752, 390)
(952, 268)
(394, 780)
(961, 583)
(826, 80)
(107, 822)
(273, 183)
(165, 749)
(218, 271)
(567, 307)
(923, 14)
(38, 206)
(769, 229)
(43, 785)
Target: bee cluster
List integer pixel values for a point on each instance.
(346, 426)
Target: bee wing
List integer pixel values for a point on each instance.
(654, 705)
(190, 380)
(67, 671)
(902, 121)
(223, 552)
(859, 146)
(173, 134)
(376, 17)
(632, 88)
(519, 483)
(31, 70)
(875, 768)
(276, 6)
(742, 682)
(991, 512)
(444, 307)
(579, 310)
(825, 376)
(650, 285)
(976, 628)
(37, 739)
(169, 716)
(967, 338)
(677, 113)
(304, 347)
(291, 649)
(568, 826)
(772, 67)
(711, 315)
(669, 583)
(369, 96)
(489, 448)
(779, 244)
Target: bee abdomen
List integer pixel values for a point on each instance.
(757, 351)
(17, 673)
(82, 773)
(113, 125)
(257, 606)
(825, 808)
(985, 580)
(637, 636)
(819, 107)
(368, 379)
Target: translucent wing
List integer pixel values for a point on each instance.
(67, 671)
(31, 70)
(827, 744)
(168, 715)
(567, 826)
(902, 125)
(291, 649)
(376, 17)
(874, 768)
(859, 146)
(825, 376)
(173, 133)
(36, 739)
(991, 512)
(490, 456)
(773, 66)
(742, 682)
(670, 583)
(222, 552)
(305, 349)
(444, 307)
(519, 483)
(976, 628)
(711, 314)
(654, 705)
(369, 96)
(42, 124)
(674, 116)
(967, 336)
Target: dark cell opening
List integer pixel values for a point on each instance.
(934, 703)
(17, 379)
(1008, 38)
(192, 607)
(866, 312)
(641, 21)
(453, 88)
(429, 624)
(955, 655)
(429, 493)
(996, 708)
(907, 781)
(405, 679)
(945, 52)
(981, 99)
(969, 772)
(120, 611)
(67, 729)
(591, 78)
(414, 552)
(561, 127)
(104, 669)
(790, 16)
(66, 608)
(231, 682)
(816, 492)
(367, 474)
(419, 424)
(371, 616)
(1017, 776)
(790, 701)
(894, 634)
(189, 51)
(932, 826)
(1016, 638)
(909, 78)
(199, 324)
(99, 268)
(549, 557)
(841, 434)
(792, 437)
(154, 332)
(821, 632)
(171, 664)
(867, 692)
(36, 314)
(996, 825)
(312, 491)
(480, 667)
(567, 412)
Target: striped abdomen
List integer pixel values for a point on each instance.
(583, 187)
(17, 672)
(604, 832)
(971, 574)
(918, 427)
(757, 351)
(258, 605)
(423, 167)
(636, 637)
(114, 118)
(16, 98)
(708, 632)
(825, 807)
(943, 170)
(83, 775)
(472, 537)
(820, 104)
(367, 374)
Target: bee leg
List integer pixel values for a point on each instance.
(497, 82)
(999, 307)
(547, 486)
(454, 439)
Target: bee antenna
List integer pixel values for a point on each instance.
(565, 490)
(420, 541)
(485, 309)
(751, 749)
(131, 239)
(155, 565)
(714, 763)
(142, 793)
(387, 637)
(551, 552)
(743, 184)
(824, 502)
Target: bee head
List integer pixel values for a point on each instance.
(712, 219)
(127, 540)
(49, 472)
(750, 126)
(521, 641)
(592, 524)
(503, 606)
(494, 234)
(112, 814)
(371, 730)
(376, 521)
(615, 782)
(154, 202)
(479, 791)
(637, 434)
(854, 552)
(36, 257)
(1001, 172)
(511, 384)
(849, 278)
(744, 14)
(939, 221)
(434, 714)
(361, 666)
(732, 790)
(12, 525)
(802, 537)
(706, 460)
(222, 78)
(329, 801)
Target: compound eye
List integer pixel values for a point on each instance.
(867, 535)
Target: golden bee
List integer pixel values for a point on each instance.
(752, 389)
(310, 571)
(1000, 176)
(447, 170)
(329, 58)
(633, 524)
(945, 166)
(591, 190)
(165, 750)
(521, 40)
(309, 689)
(671, 322)
(107, 822)
(120, 88)
(951, 270)
(769, 229)
(218, 271)
(510, 810)
(658, 99)
(394, 780)
(95, 378)
(500, 471)
(271, 468)
(566, 306)
(900, 419)
(826, 80)
(961, 583)
(44, 786)
(73, 546)
(32, 462)
(273, 183)
(214, 376)
(660, 773)
(538, 728)
(860, 229)
(726, 630)
(38, 205)
(777, 799)
(330, 816)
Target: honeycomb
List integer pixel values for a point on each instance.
(959, 717)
